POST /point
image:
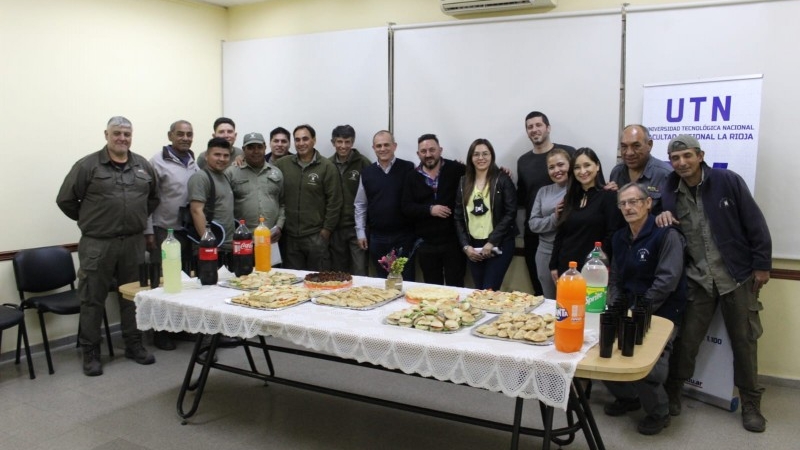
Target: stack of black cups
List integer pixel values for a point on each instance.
(627, 330)
(149, 273)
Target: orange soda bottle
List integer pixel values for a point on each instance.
(263, 247)
(570, 310)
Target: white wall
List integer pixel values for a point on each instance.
(67, 67)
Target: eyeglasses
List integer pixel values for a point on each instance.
(631, 202)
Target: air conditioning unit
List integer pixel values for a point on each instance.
(458, 7)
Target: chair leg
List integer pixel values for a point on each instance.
(46, 344)
(22, 331)
(19, 335)
(108, 335)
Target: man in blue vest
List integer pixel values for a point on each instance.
(647, 263)
(377, 206)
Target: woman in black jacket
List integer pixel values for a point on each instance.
(485, 216)
(590, 214)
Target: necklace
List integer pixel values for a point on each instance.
(584, 199)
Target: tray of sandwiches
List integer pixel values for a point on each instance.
(501, 302)
(361, 298)
(440, 317)
(274, 298)
(256, 280)
(527, 328)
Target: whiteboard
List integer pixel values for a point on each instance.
(730, 40)
(480, 80)
(322, 79)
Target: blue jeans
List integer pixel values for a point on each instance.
(489, 273)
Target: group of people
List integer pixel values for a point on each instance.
(679, 234)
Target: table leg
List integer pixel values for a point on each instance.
(266, 356)
(249, 356)
(579, 409)
(517, 422)
(547, 418)
(584, 401)
(201, 381)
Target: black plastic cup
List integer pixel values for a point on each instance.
(155, 275)
(628, 336)
(608, 333)
(640, 317)
(144, 275)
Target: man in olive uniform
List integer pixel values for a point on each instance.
(110, 193)
(346, 255)
(257, 188)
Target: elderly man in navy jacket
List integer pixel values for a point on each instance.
(728, 262)
(647, 263)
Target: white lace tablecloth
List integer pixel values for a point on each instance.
(515, 369)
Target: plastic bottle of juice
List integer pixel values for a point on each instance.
(595, 272)
(570, 310)
(171, 263)
(261, 236)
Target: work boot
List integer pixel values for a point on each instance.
(651, 425)
(138, 353)
(673, 388)
(92, 366)
(622, 406)
(163, 341)
(752, 420)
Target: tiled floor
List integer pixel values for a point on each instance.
(132, 407)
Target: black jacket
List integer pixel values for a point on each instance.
(418, 198)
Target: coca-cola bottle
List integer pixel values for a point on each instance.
(243, 258)
(207, 258)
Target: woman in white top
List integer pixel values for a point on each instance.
(544, 216)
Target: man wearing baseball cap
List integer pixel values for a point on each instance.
(729, 256)
(257, 187)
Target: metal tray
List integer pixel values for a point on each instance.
(477, 318)
(230, 302)
(360, 308)
(474, 332)
(227, 284)
(500, 311)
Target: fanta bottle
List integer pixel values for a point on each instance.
(570, 310)
(263, 245)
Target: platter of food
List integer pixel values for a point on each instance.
(256, 280)
(431, 294)
(527, 328)
(274, 298)
(328, 280)
(361, 298)
(501, 302)
(441, 317)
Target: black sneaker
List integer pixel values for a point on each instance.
(92, 367)
(621, 406)
(139, 354)
(163, 341)
(651, 425)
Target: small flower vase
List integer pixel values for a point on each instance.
(394, 281)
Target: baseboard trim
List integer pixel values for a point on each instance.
(71, 341)
(778, 381)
